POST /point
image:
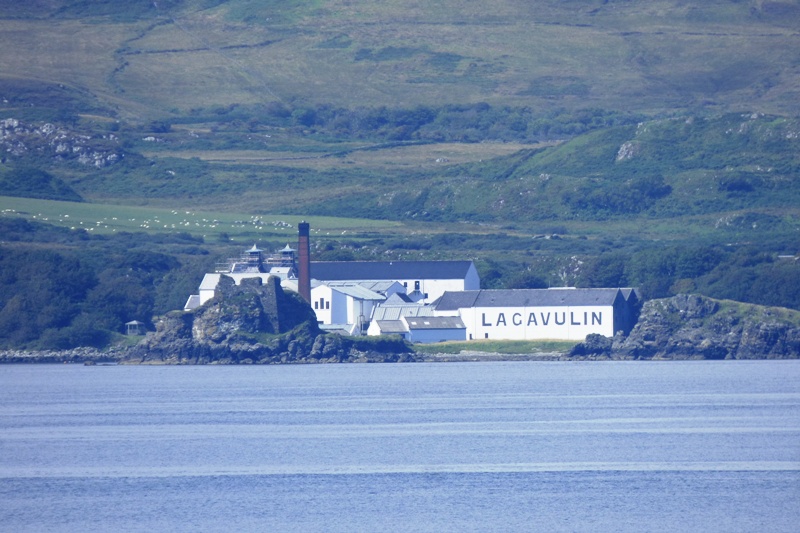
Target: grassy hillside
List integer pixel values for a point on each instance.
(140, 60)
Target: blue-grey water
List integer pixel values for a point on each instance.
(522, 446)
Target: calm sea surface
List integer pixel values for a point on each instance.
(524, 446)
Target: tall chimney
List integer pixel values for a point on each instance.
(304, 259)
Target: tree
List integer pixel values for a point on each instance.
(607, 270)
(30, 182)
(526, 280)
(119, 298)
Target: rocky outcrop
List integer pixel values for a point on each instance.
(255, 323)
(18, 138)
(594, 345)
(696, 327)
(87, 356)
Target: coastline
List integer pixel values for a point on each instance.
(75, 355)
(681, 328)
(92, 356)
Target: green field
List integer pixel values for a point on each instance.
(109, 219)
(499, 347)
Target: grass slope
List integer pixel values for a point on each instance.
(107, 219)
(141, 60)
(710, 180)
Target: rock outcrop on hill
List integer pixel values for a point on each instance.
(255, 323)
(696, 327)
(18, 138)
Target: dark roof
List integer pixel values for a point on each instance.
(630, 294)
(392, 326)
(394, 312)
(435, 322)
(397, 299)
(390, 270)
(451, 301)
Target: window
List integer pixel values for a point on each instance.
(416, 285)
(327, 305)
(316, 305)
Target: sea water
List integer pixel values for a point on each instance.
(517, 446)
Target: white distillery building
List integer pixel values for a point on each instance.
(355, 291)
(380, 298)
(347, 305)
(415, 322)
(538, 314)
(251, 264)
(423, 281)
(387, 319)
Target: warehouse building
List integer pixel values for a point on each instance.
(532, 314)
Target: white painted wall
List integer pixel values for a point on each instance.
(472, 281)
(374, 329)
(435, 288)
(359, 311)
(329, 305)
(395, 288)
(424, 336)
(530, 323)
(210, 281)
(238, 277)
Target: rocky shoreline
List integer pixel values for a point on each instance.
(695, 327)
(684, 327)
(86, 356)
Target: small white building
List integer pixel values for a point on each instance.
(427, 329)
(415, 322)
(389, 327)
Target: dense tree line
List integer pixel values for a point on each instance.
(637, 194)
(747, 274)
(31, 182)
(79, 290)
(448, 123)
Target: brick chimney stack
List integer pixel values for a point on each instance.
(304, 260)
